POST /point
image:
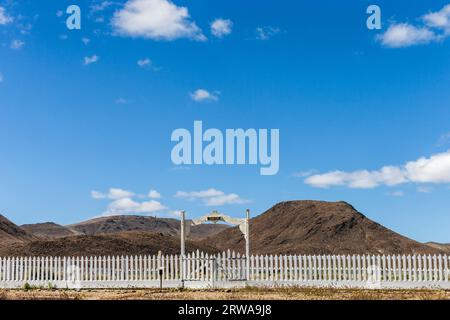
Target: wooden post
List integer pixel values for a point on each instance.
(183, 248)
(247, 243)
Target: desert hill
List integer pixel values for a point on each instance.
(118, 224)
(115, 224)
(49, 230)
(317, 227)
(9, 232)
(441, 246)
(124, 243)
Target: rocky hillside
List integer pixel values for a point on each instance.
(124, 243)
(9, 232)
(49, 230)
(317, 227)
(115, 224)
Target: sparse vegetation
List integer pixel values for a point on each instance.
(250, 293)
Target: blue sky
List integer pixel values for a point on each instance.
(363, 114)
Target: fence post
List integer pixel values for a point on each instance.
(183, 248)
(446, 270)
(247, 243)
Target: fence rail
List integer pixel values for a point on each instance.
(228, 269)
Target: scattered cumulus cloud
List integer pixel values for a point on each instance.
(144, 63)
(156, 20)
(126, 206)
(4, 17)
(434, 169)
(122, 202)
(221, 27)
(17, 44)
(303, 174)
(113, 193)
(90, 60)
(100, 6)
(211, 197)
(153, 194)
(267, 32)
(405, 35)
(439, 19)
(202, 95)
(432, 27)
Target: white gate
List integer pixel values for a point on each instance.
(204, 270)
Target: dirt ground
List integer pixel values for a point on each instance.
(237, 294)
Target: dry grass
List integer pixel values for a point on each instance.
(235, 294)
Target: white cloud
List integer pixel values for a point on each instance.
(423, 189)
(89, 60)
(155, 19)
(405, 35)
(125, 206)
(211, 197)
(200, 95)
(4, 17)
(101, 6)
(17, 44)
(439, 19)
(153, 194)
(85, 40)
(97, 195)
(144, 62)
(267, 32)
(113, 193)
(122, 202)
(199, 194)
(435, 169)
(396, 194)
(435, 26)
(303, 174)
(221, 27)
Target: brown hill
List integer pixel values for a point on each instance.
(9, 232)
(115, 224)
(441, 246)
(317, 227)
(124, 243)
(49, 230)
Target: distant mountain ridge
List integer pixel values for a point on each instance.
(49, 230)
(441, 246)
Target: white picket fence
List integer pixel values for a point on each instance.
(228, 269)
